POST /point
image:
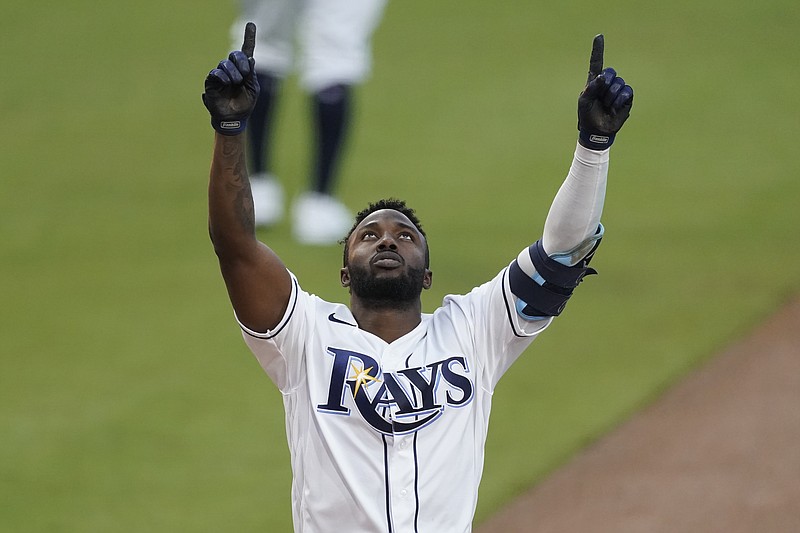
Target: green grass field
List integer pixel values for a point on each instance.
(128, 401)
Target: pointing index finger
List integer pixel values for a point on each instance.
(596, 62)
(249, 43)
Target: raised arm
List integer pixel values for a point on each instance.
(259, 286)
(573, 223)
(544, 276)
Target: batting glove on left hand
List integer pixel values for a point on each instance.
(605, 103)
(232, 88)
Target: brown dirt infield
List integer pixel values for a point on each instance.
(718, 452)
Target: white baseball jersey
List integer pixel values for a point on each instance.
(389, 437)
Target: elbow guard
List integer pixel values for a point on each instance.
(545, 291)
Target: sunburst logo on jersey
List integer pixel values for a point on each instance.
(361, 377)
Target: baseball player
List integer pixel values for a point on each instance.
(334, 56)
(387, 408)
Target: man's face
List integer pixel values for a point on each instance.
(386, 260)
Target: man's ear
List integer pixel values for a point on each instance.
(427, 279)
(344, 275)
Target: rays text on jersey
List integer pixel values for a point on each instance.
(396, 402)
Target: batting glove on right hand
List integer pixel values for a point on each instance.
(605, 103)
(232, 88)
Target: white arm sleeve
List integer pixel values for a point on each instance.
(574, 216)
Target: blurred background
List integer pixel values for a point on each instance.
(128, 401)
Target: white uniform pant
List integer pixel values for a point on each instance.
(333, 38)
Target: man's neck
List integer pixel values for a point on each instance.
(387, 322)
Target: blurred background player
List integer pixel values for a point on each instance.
(332, 55)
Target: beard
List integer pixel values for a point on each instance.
(382, 293)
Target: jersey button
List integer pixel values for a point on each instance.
(404, 493)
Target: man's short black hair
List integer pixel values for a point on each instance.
(387, 203)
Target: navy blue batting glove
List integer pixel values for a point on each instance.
(605, 103)
(232, 88)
